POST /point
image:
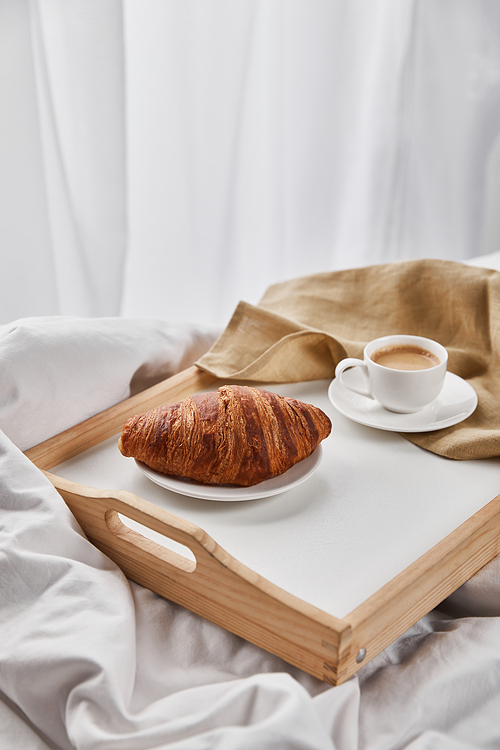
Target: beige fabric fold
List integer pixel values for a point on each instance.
(303, 327)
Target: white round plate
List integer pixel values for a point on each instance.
(457, 401)
(227, 493)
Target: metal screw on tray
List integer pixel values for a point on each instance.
(361, 655)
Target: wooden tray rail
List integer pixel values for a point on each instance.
(219, 588)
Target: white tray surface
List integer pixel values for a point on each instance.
(374, 506)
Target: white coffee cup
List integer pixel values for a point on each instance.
(399, 390)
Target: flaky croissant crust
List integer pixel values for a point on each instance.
(238, 435)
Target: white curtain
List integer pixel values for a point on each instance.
(167, 158)
(62, 157)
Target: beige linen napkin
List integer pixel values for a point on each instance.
(302, 328)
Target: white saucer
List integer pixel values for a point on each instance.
(457, 401)
(293, 477)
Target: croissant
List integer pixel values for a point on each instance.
(237, 436)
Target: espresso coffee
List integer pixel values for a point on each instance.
(405, 357)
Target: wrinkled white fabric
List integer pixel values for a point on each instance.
(89, 661)
(57, 371)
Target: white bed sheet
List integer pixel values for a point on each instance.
(91, 661)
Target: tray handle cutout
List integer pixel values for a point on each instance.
(144, 538)
(140, 537)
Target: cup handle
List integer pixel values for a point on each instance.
(347, 363)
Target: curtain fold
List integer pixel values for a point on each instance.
(73, 87)
(79, 65)
(27, 283)
(268, 140)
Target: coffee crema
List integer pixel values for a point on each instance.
(405, 357)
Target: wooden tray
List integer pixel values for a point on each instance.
(221, 589)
